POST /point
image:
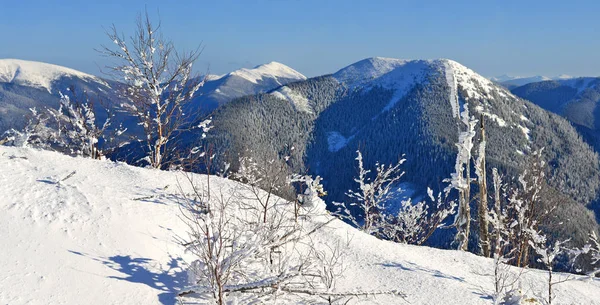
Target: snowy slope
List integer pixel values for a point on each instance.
(86, 240)
(37, 74)
(273, 70)
(219, 90)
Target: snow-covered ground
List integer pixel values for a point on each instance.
(106, 235)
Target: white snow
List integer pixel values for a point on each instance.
(87, 240)
(580, 83)
(273, 69)
(211, 77)
(297, 99)
(453, 85)
(336, 141)
(476, 86)
(390, 73)
(525, 131)
(497, 119)
(37, 74)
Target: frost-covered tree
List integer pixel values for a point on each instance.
(373, 195)
(72, 129)
(461, 178)
(264, 179)
(591, 249)
(525, 201)
(241, 258)
(505, 281)
(414, 223)
(34, 134)
(547, 254)
(160, 83)
(78, 132)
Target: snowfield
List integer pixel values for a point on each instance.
(80, 231)
(37, 74)
(273, 70)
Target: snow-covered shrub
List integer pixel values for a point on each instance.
(35, 134)
(592, 250)
(547, 255)
(240, 252)
(313, 189)
(372, 197)
(414, 223)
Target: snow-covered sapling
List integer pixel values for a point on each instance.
(373, 195)
(160, 83)
(547, 254)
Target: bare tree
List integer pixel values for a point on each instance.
(482, 207)
(160, 84)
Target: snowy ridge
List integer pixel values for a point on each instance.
(37, 74)
(476, 86)
(273, 70)
(107, 235)
(367, 70)
(390, 73)
(580, 83)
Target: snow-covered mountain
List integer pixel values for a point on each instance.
(39, 75)
(389, 108)
(219, 90)
(108, 235)
(516, 81)
(30, 84)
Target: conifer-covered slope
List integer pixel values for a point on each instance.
(392, 109)
(575, 99)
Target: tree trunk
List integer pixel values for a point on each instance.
(484, 238)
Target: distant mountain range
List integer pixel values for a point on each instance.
(385, 107)
(511, 82)
(575, 99)
(28, 84)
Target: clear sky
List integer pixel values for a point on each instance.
(318, 37)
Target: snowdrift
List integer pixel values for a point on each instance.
(79, 231)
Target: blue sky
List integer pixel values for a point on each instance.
(319, 37)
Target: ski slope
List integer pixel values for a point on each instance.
(80, 231)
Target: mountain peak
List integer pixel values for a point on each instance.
(36, 74)
(367, 69)
(272, 69)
